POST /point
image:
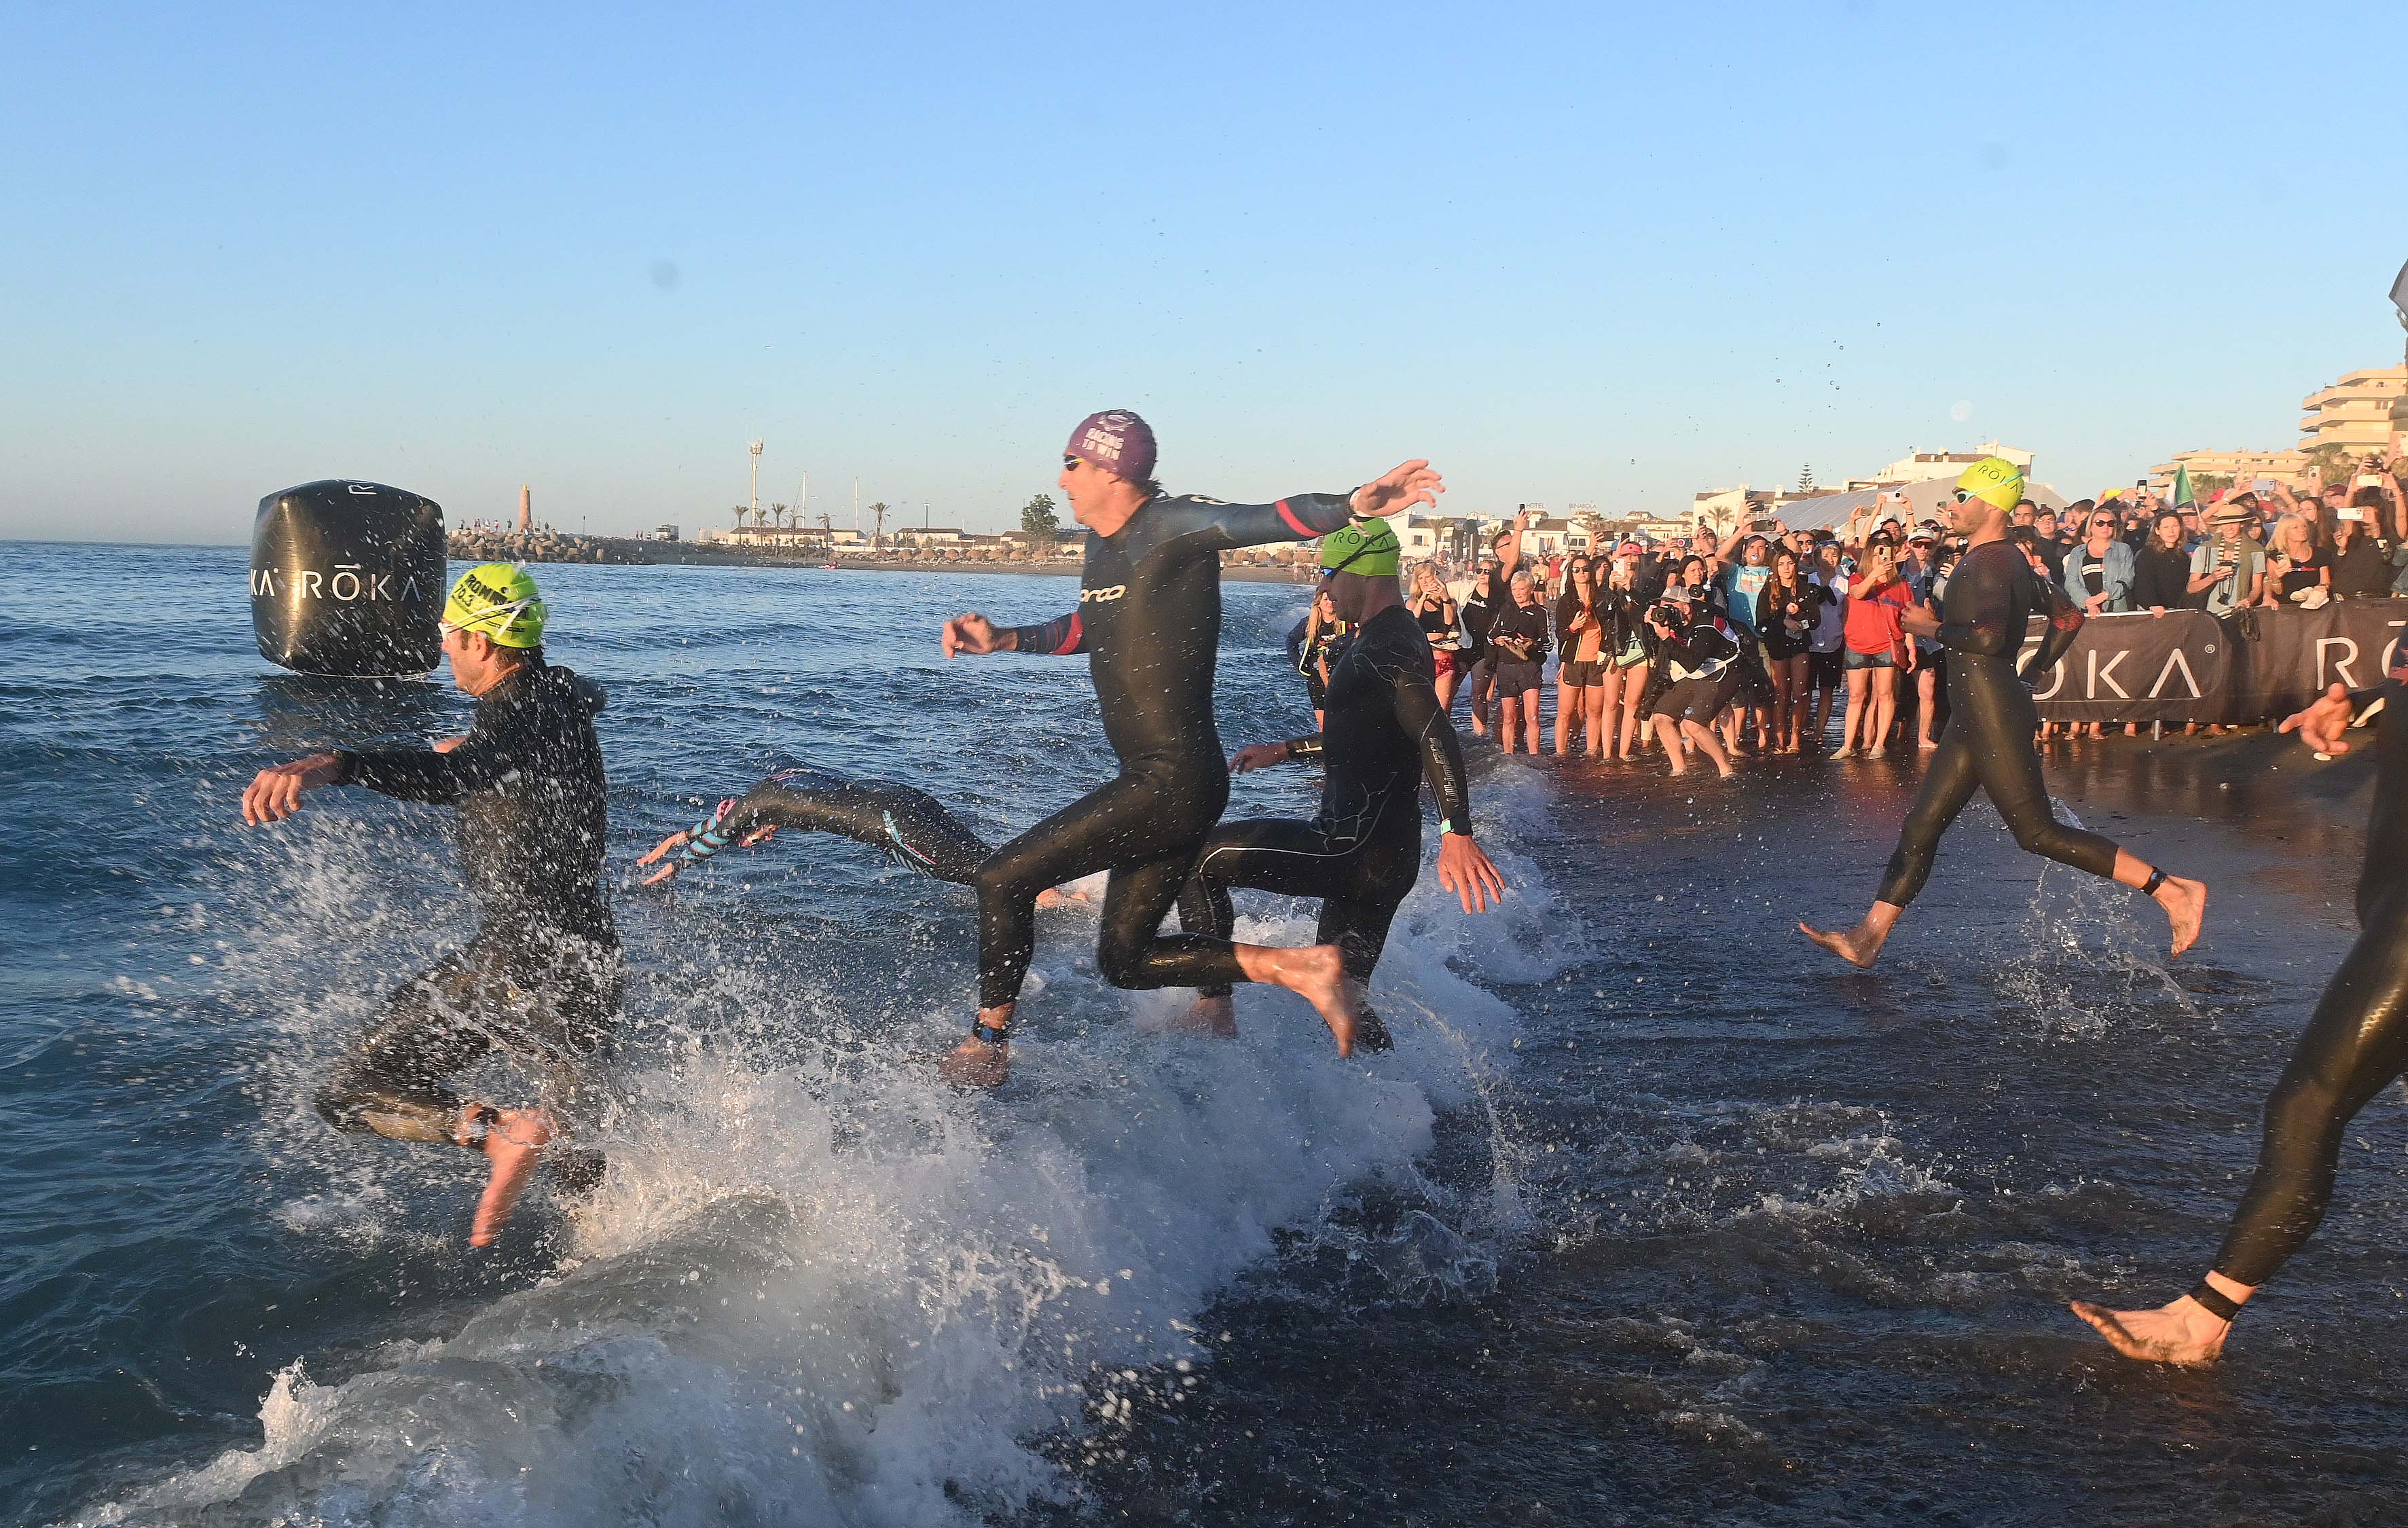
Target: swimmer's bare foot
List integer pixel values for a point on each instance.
(1861, 945)
(1317, 974)
(514, 1143)
(982, 1061)
(675, 840)
(2185, 1331)
(1216, 1017)
(1056, 896)
(2186, 905)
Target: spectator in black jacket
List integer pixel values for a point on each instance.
(2161, 568)
(1698, 655)
(2361, 558)
(1517, 640)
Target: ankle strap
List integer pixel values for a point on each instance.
(2157, 878)
(2215, 1302)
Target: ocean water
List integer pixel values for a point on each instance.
(1652, 1213)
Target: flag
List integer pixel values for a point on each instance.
(2184, 498)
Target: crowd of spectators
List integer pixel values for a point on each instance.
(1777, 640)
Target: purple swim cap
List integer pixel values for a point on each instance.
(1117, 441)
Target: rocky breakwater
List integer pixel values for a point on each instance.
(484, 545)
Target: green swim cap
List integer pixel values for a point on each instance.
(1367, 547)
(498, 599)
(1994, 480)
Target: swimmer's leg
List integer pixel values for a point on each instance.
(391, 1082)
(1948, 784)
(1116, 819)
(1267, 855)
(2355, 1046)
(2010, 773)
(1134, 953)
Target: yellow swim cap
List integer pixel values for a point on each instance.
(498, 599)
(1367, 547)
(1995, 481)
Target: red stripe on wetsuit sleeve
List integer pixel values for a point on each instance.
(1289, 515)
(1070, 637)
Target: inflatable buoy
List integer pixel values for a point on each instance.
(347, 580)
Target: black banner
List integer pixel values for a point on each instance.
(2176, 668)
(2288, 656)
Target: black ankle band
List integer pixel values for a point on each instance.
(988, 1033)
(2215, 1302)
(2157, 878)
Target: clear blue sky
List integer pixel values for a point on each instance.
(1567, 252)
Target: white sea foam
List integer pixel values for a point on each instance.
(818, 1287)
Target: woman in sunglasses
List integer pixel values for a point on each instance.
(1583, 632)
(2099, 574)
(1442, 621)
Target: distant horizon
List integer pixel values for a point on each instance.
(1566, 255)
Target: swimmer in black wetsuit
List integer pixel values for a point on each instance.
(1149, 617)
(1382, 730)
(540, 980)
(1988, 745)
(2355, 1046)
(910, 827)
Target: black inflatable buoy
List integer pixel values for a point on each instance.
(347, 580)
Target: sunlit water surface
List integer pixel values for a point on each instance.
(1652, 1213)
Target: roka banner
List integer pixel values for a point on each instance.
(2139, 667)
(2288, 656)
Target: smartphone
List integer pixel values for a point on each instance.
(2262, 485)
(2367, 480)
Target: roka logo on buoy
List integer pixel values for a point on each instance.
(347, 580)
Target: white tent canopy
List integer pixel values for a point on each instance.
(1834, 510)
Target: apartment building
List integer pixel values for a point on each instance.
(2356, 413)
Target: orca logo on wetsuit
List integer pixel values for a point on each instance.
(1100, 595)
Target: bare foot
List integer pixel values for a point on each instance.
(1056, 896)
(2185, 1331)
(514, 1143)
(1858, 945)
(1317, 974)
(976, 1064)
(1216, 1017)
(1724, 770)
(2185, 903)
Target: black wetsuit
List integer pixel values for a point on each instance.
(1992, 594)
(1148, 617)
(1382, 732)
(540, 980)
(912, 827)
(2355, 1043)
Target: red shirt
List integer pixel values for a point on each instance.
(1872, 616)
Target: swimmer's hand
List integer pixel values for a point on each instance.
(1406, 485)
(275, 792)
(445, 745)
(1920, 621)
(973, 633)
(2321, 725)
(1256, 756)
(1463, 869)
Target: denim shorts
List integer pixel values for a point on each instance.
(1870, 660)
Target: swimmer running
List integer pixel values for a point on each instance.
(1988, 745)
(1382, 730)
(909, 827)
(1148, 617)
(540, 980)
(2355, 1046)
